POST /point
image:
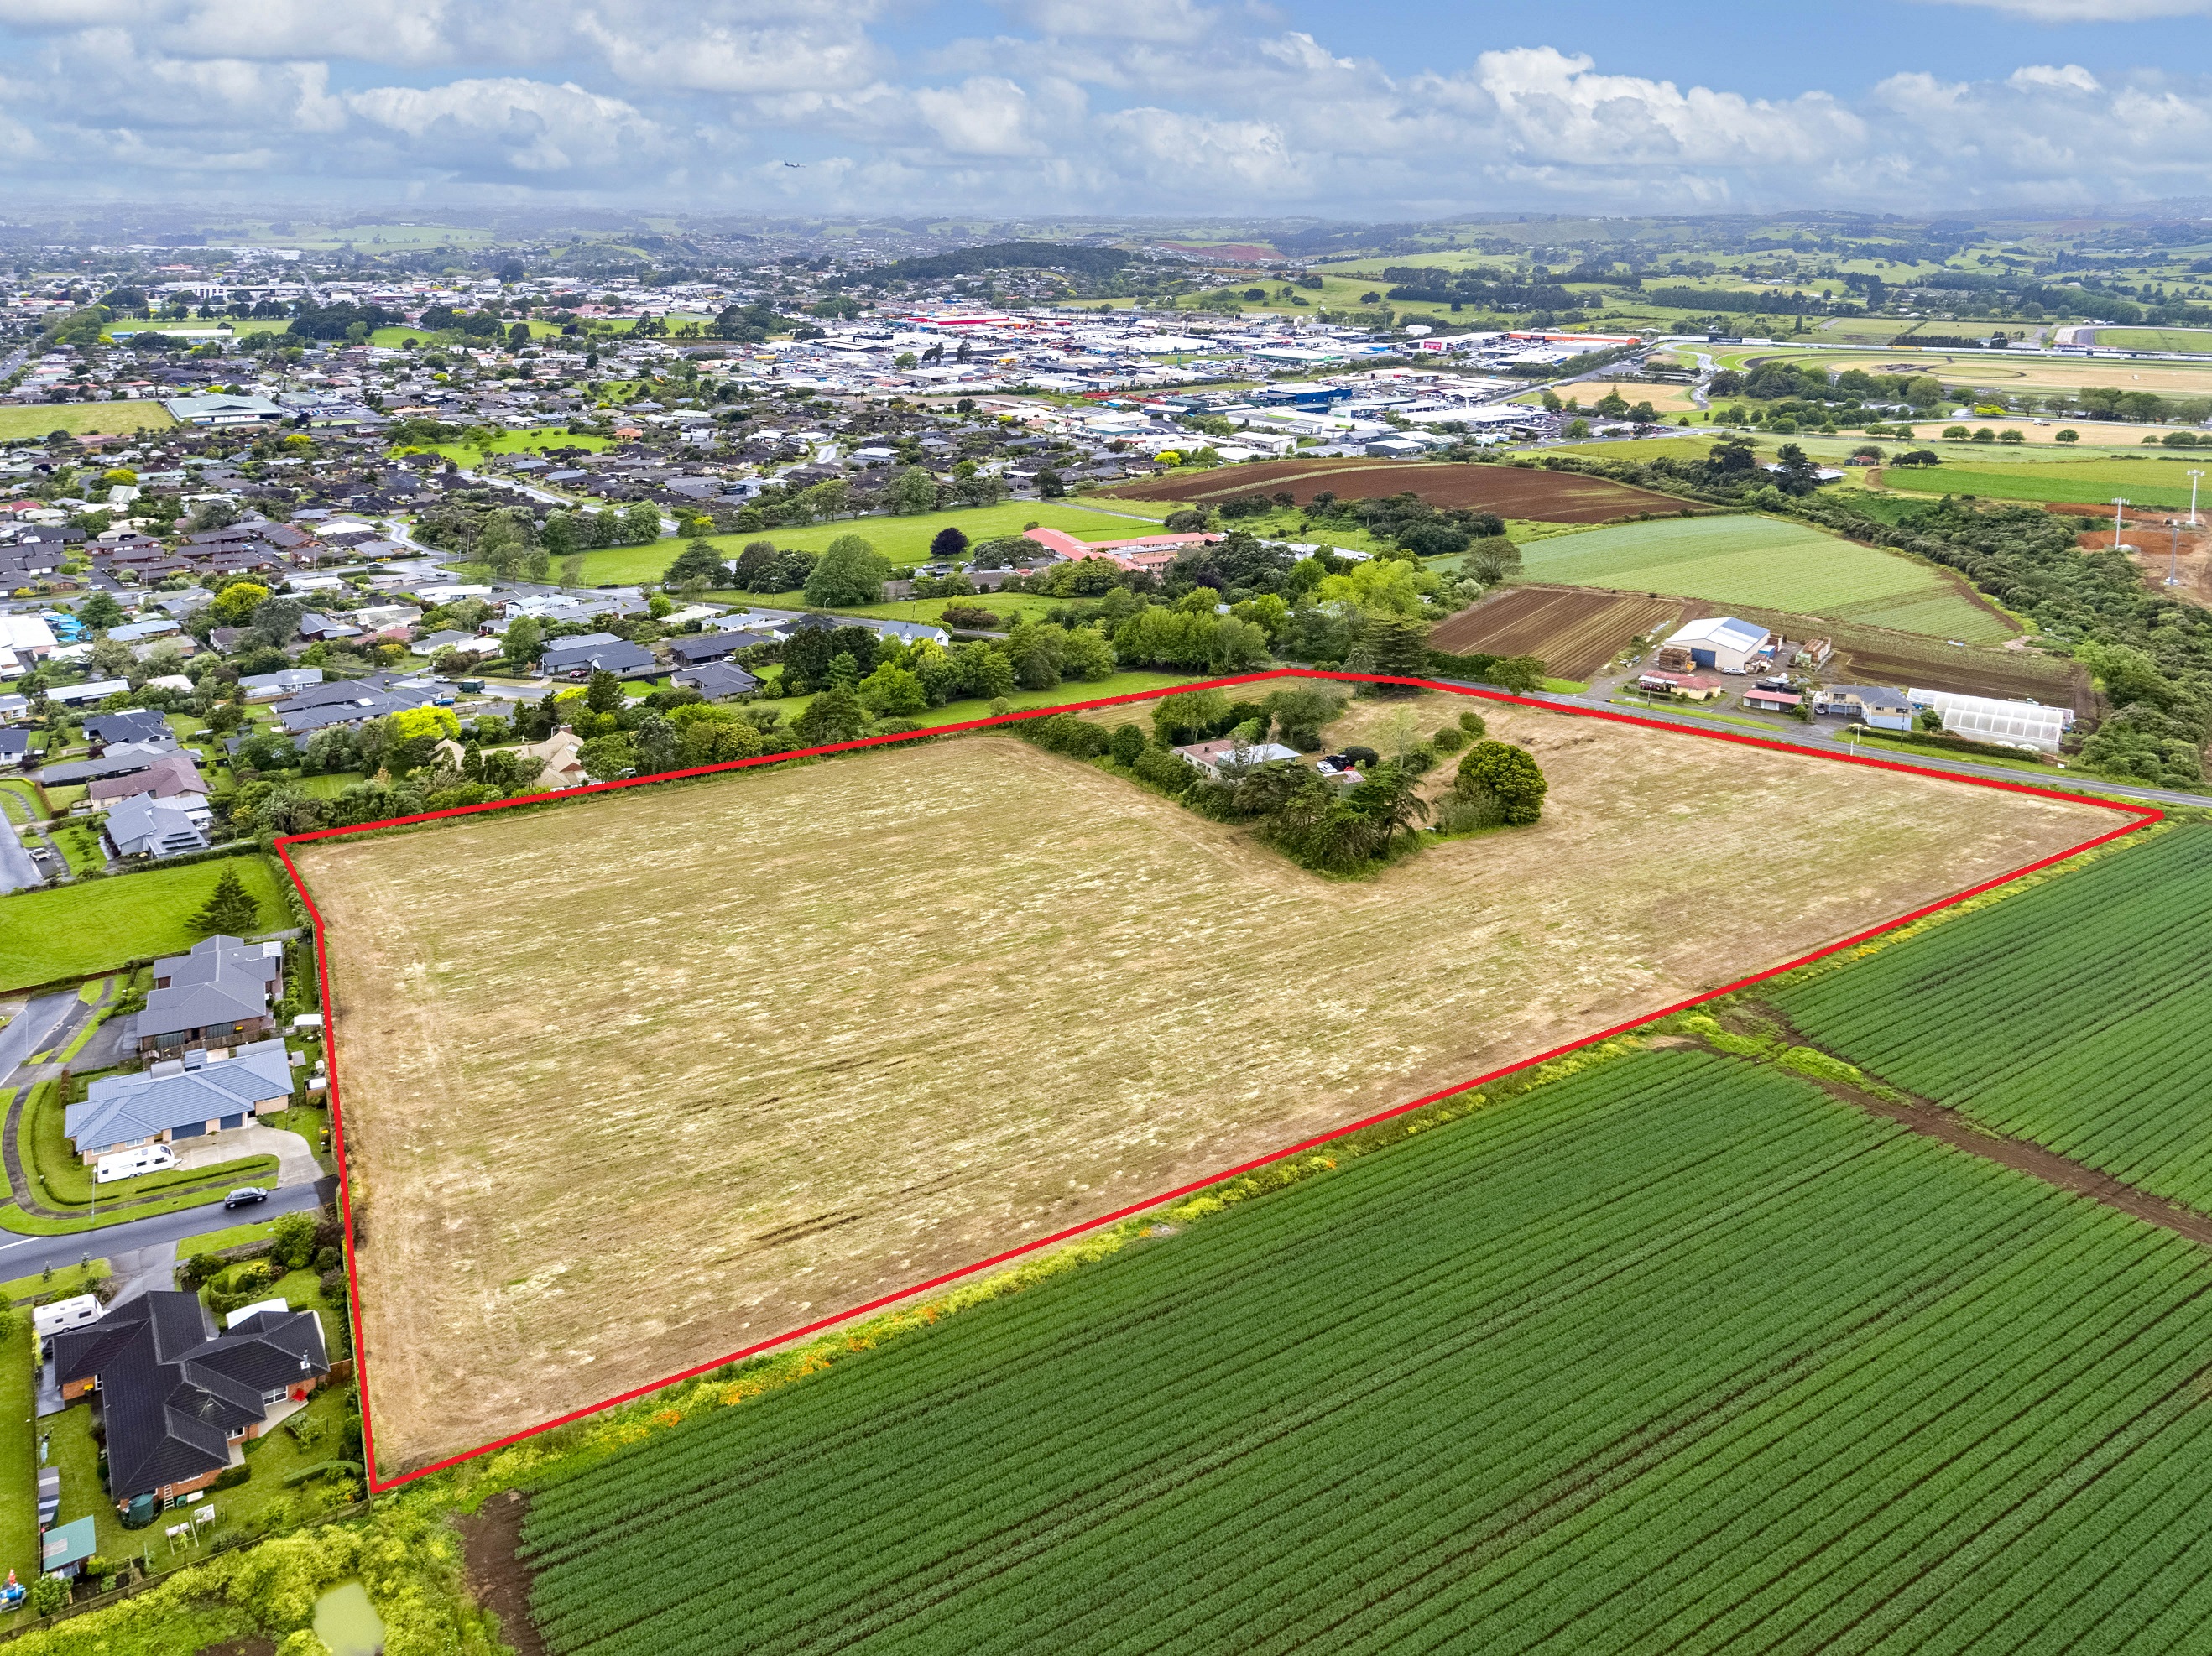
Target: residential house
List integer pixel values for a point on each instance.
(579, 657)
(716, 680)
(215, 995)
(143, 826)
(178, 1098)
(14, 748)
(172, 776)
(272, 686)
(1875, 705)
(132, 724)
(178, 1403)
(558, 754)
(1228, 758)
(695, 649)
(124, 759)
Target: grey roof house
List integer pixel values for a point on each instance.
(216, 996)
(597, 653)
(131, 725)
(173, 776)
(714, 680)
(144, 826)
(177, 1402)
(178, 1099)
(124, 759)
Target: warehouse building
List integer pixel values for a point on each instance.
(1719, 642)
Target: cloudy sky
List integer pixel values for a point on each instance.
(1244, 106)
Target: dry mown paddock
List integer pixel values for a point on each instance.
(642, 1079)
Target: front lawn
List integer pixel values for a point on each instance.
(95, 925)
(61, 1180)
(70, 1449)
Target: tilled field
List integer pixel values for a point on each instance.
(1575, 631)
(640, 1080)
(1523, 492)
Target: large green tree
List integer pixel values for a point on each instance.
(1510, 776)
(231, 908)
(851, 572)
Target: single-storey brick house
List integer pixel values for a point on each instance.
(178, 1098)
(178, 1402)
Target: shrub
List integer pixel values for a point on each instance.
(1365, 758)
(1508, 775)
(1450, 739)
(232, 1477)
(1127, 743)
(1164, 770)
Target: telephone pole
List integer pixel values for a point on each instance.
(2119, 506)
(2193, 476)
(2173, 558)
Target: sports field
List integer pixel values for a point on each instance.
(78, 419)
(1765, 561)
(72, 931)
(2011, 373)
(1664, 399)
(2092, 483)
(1676, 1354)
(651, 1076)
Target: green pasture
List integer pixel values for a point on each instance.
(1769, 563)
(78, 419)
(94, 925)
(2145, 482)
(534, 441)
(2156, 339)
(902, 540)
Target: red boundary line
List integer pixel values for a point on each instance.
(2142, 815)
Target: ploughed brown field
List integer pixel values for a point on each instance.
(634, 1082)
(1510, 491)
(1573, 629)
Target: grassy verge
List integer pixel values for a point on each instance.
(79, 844)
(1881, 740)
(58, 1284)
(233, 1173)
(75, 931)
(1656, 705)
(19, 1454)
(215, 1241)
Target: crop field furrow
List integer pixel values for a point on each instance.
(1217, 1441)
(2069, 1015)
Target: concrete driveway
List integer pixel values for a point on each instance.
(295, 1159)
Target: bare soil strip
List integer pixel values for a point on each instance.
(1938, 1121)
(1574, 630)
(652, 1076)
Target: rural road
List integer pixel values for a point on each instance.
(1815, 739)
(26, 1256)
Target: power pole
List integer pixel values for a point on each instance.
(2193, 476)
(2119, 506)
(2173, 559)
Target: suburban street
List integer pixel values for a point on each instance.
(26, 1256)
(17, 870)
(30, 1031)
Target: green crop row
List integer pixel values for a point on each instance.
(1672, 1353)
(2070, 1015)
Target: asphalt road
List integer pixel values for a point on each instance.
(26, 1256)
(1828, 739)
(33, 1028)
(16, 867)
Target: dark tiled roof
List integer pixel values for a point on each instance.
(172, 1397)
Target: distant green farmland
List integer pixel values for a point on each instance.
(2156, 339)
(903, 540)
(1770, 564)
(2160, 482)
(37, 419)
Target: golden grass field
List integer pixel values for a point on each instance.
(632, 1083)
